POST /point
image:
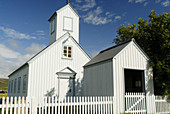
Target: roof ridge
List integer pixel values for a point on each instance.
(117, 45)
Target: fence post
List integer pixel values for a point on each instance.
(34, 105)
(150, 100)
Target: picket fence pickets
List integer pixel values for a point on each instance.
(15, 105)
(76, 105)
(135, 103)
(57, 105)
(162, 105)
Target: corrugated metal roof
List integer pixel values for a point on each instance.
(108, 53)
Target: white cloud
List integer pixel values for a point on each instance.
(165, 3)
(10, 60)
(95, 17)
(34, 48)
(40, 33)
(15, 34)
(84, 5)
(130, 1)
(146, 3)
(139, 1)
(117, 18)
(13, 43)
(7, 53)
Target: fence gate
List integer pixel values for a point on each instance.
(135, 103)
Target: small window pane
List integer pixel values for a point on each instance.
(65, 51)
(19, 84)
(69, 48)
(24, 84)
(15, 85)
(65, 55)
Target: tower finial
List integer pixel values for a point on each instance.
(67, 1)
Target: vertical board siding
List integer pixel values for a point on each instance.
(98, 79)
(68, 13)
(43, 69)
(20, 73)
(130, 58)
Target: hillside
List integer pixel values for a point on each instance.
(3, 84)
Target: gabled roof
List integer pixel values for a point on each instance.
(68, 5)
(108, 53)
(111, 52)
(46, 48)
(67, 70)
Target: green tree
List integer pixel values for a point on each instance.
(153, 36)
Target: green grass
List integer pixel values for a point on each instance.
(3, 95)
(4, 84)
(4, 87)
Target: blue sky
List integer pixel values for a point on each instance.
(24, 27)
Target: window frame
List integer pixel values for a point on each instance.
(9, 89)
(24, 83)
(65, 29)
(53, 25)
(67, 56)
(15, 86)
(12, 86)
(19, 84)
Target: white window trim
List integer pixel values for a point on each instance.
(19, 84)
(67, 52)
(71, 24)
(24, 89)
(53, 26)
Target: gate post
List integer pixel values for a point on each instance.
(150, 104)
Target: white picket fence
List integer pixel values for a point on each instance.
(138, 103)
(56, 105)
(14, 105)
(135, 103)
(162, 105)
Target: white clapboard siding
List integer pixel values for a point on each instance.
(68, 12)
(131, 57)
(43, 68)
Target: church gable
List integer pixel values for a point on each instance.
(62, 21)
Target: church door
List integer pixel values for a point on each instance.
(66, 87)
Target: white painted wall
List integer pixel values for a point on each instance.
(98, 79)
(66, 11)
(20, 73)
(43, 68)
(130, 58)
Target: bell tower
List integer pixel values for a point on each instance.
(62, 21)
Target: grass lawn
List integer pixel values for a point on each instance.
(3, 84)
(4, 87)
(3, 95)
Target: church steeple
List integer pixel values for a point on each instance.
(62, 21)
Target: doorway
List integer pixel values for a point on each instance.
(134, 80)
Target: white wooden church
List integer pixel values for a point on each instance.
(57, 70)
(64, 69)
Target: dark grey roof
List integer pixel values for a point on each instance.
(108, 53)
